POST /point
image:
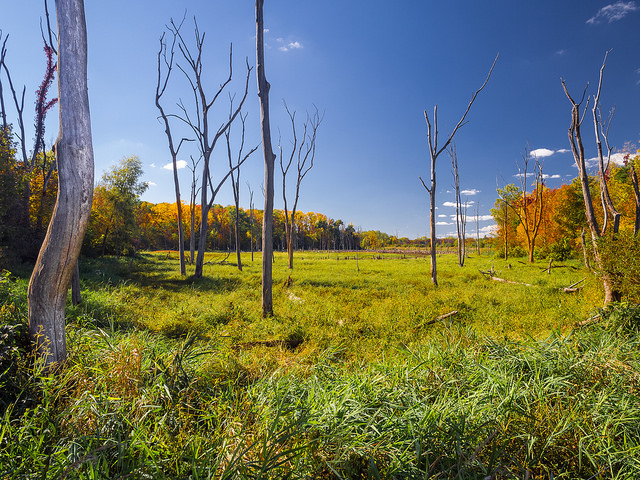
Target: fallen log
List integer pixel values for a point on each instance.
(574, 287)
(511, 282)
(221, 262)
(441, 317)
(588, 321)
(498, 279)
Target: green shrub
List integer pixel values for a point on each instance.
(621, 261)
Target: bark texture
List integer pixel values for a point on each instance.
(269, 166)
(61, 247)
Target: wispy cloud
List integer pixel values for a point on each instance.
(442, 216)
(289, 46)
(472, 191)
(547, 176)
(561, 52)
(443, 223)
(180, 164)
(562, 150)
(613, 12)
(489, 229)
(152, 184)
(616, 159)
(152, 165)
(468, 203)
(472, 218)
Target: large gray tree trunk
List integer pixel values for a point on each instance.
(269, 163)
(61, 247)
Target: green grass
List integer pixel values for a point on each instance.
(169, 377)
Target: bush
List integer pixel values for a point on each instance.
(621, 262)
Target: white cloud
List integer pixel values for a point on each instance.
(452, 204)
(442, 216)
(180, 164)
(561, 52)
(290, 46)
(545, 176)
(489, 229)
(152, 184)
(616, 159)
(562, 150)
(266, 30)
(443, 223)
(152, 165)
(472, 191)
(529, 175)
(541, 152)
(613, 12)
(470, 217)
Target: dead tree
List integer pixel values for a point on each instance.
(235, 179)
(602, 131)
(251, 216)
(3, 110)
(200, 122)
(192, 208)
(59, 253)
(577, 148)
(269, 166)
(434, 152)
(636, 194)
(304, 152)
(461, 217)
(529, 208)
(477, 217)
(165, 57)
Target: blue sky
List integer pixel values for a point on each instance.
(373, 68)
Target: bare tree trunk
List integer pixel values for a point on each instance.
(235, 179)
(251, 217)
(269, 164)
(161, 86)
(192, 210)
(577, 148)
(477, 229)
(506, 233)
(61, 247)
(636, 193)
(305, 154)
(456, 184)
(434, 153)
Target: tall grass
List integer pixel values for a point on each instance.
(170, 378)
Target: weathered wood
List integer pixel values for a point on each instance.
(588, 321)
(434, 153)
(573, 288)
(577, 149)
(59, 253)
(491, 276)
(269, 166)
(161, 86)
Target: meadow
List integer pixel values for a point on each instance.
(355, 376)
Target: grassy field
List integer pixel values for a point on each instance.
(174, 378)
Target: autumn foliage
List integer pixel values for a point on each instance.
(563, 217)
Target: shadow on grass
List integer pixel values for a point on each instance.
(145, 270)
